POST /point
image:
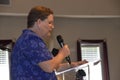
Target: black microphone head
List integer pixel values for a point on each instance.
(59, 39)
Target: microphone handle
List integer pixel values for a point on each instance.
(68, 57)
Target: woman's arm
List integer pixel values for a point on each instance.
(51, 65)
(65, 66)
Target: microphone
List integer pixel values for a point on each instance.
(55, 51)
(61, 43)
(80, 74)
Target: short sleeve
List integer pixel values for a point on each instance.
(36, 51)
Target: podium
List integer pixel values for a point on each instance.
(71, 73)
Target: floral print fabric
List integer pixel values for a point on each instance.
(28, 51)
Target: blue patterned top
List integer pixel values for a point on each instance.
(28, 51)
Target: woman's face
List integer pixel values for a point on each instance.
(46, 26)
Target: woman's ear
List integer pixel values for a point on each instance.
(38, 21)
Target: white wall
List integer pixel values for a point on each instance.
(67, 7)
(10, 27)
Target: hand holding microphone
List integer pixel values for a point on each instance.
(64, 48)
(65, 51)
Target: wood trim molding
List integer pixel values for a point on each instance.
(64, 16)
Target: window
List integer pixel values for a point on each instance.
(93, 50)
(5, 50)
(4, 65)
